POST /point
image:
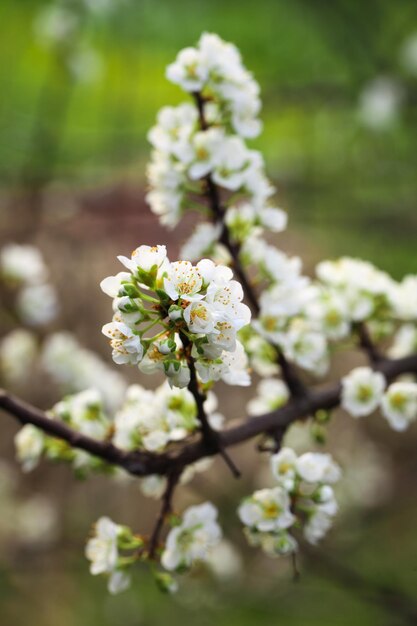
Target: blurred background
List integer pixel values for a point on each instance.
(81, 82)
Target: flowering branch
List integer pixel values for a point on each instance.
(295, 385)
(190, 323)
(141, 463)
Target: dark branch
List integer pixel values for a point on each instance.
(211, 437)
(366, 343)
(139, 463)
(166, 509)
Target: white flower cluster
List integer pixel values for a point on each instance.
(188, 148)
(215, 69)
(303, 498)
(363, 392)
(367, 292)
(302, 316)
(192, 306)
(84, 413)
(193, 539)
(105, 551)
(294, 315)
(74, 368)
(22, 267)
(151, 419)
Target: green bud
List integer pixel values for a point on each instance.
(318, 433)
(322, 416)
(165, 582)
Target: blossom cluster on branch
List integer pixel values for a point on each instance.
(248, 308)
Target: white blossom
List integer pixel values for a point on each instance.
(316, 467)
(399, 404)
(193, 539)
(18, 351)
(30, 443)
(126, 344)
(102, 551)
(283, 467)
(23, 264)
(272, 393)
(38, 304)
(362, 391)
(267, 510)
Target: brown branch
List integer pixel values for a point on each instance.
(166, 509)
(366, 343)
(140, 463)
(210, 436)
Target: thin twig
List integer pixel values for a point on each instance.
(211, 438)
(366, 343)
(166, 509)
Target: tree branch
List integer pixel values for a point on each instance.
(166, 509)
(366, 343)
(140, 463)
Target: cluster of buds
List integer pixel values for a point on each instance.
(302, 499)
(83, 412)
(150, 420)
(197, 310)
(113, 548)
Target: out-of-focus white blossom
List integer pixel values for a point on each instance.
(267, 510)
(380, 103)
(38, 304)
(193, 539)
(399, 404)
(18, 351)
(29, 443)
(272, 393)
(225, 561)
(405, 341)
(23, 264)
(408, 54)
(362, 391)
(56, 24)
(153, 486)
(103, 552)
(316, 467)
(201, 242)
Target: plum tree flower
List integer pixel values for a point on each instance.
(103, 552)
(362, 391)
(29, 443)
(193, 538)
(399, 404)
(267, 510)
